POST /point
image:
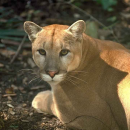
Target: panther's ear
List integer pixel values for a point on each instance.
(31, 29)
(77, 28)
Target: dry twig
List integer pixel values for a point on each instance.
(9, 42)
(19, 48)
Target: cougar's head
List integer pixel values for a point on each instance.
(56, 49)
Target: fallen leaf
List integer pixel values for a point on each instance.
(9, 90)
(12, 112)
(38, 87)
(6, 53)
(24, 105)
(1, 65)
(30, 114)
(9, 98)
(14, 87)
(6, 95)
(9, 105)
(25, 121)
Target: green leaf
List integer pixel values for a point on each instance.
(91, 29)
(2, 45)
(112, 19)
(6, 13)
(108, 3)
(78, 4)
(110, 9)
(12, 38)
(11, 32)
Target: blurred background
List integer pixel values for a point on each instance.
(19, 83)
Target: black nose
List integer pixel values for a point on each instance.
(52, 73)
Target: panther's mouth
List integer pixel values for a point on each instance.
(56, 79)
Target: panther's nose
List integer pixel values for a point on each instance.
(52, 73)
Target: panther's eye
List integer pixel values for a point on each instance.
(42, 52)
(64, 52)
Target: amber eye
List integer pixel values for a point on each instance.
(42, 52)
(64, 52)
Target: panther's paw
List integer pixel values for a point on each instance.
(36, 103)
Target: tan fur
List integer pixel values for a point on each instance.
(94, 93)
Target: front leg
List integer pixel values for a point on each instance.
(43, 102)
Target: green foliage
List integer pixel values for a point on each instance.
(8, 25)
(107, 4)
(91, 29)
(12, 34)
(8, 22)
(112, 19)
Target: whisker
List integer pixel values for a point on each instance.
(27, 73)
(77, 78)
(32, 73)
(25, 70)
(38, 81)
(35, 78)
(71, 81)
(80, 72)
